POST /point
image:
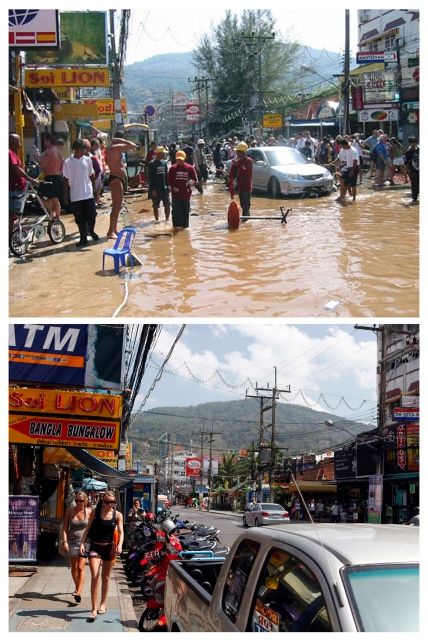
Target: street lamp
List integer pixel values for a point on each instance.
(305, 67)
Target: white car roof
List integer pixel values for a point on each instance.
(352, 543)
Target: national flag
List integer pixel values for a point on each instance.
(46, 37)
(25, 37)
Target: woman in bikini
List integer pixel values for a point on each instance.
(102, 549)
(75, 523)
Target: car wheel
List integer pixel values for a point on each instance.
(244, 522)
(274, 190)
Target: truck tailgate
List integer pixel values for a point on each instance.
(187, 602)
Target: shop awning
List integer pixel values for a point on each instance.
(112, 477)
(393, 395)
(309, 485)
(413, 390)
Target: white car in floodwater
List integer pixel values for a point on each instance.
(285, 171)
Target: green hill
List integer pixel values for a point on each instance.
(153, 79)
(299, 428)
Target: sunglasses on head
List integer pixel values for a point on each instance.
(78, 500)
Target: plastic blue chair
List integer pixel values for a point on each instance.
(122, 248)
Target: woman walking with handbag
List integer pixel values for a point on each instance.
(75, 523)
(102, 549)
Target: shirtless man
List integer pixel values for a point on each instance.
(117, 179)
(51, 163)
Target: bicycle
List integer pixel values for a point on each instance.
(25, 231)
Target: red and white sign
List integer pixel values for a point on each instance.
(192, 112)
(406, 414)
(193, 467)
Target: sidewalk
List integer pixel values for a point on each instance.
(43, 602)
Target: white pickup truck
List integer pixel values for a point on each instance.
(328, 577)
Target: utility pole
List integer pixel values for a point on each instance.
(118, 61)
(202, 84)
(273, 397)
(210, 436)
(346, 79)
(255, 45)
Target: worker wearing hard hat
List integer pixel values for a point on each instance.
(181, 178)
(242, 171)
(158, 183)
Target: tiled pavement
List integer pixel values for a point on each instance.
(43, 602)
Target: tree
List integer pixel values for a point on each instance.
(244, 63)
(232, 469)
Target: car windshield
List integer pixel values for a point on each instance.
(284, 155)
(271, 507)
(385, 598)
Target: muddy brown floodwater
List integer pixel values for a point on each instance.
(361, 257)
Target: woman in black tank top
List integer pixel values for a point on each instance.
(103, 549)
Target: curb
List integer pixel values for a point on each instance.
(125, 599)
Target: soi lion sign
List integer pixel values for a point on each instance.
(64, 418)
(75, 77)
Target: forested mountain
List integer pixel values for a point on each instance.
(299, 428)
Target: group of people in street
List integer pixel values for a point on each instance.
(173, 172)
(95, 533)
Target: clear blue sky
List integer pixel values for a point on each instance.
(335, 359)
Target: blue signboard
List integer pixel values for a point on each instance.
(50, 354)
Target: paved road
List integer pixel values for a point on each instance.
(230, 526)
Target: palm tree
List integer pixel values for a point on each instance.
(232, 469)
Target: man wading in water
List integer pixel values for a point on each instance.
(117, 179)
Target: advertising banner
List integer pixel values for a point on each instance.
(192, 112)
(105, 107)
(23, 528)
(48, 353)
(272, 120)
(33, 29)
(75, 111)
(379, 86)
(53, 431)
(193, 467)
(70, 355)
(378, 115)
(83, 37)
(76, 77)
(214, 466)
(412, 447)
(374, 503)
(345, 463)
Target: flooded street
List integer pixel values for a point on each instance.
(360, 257)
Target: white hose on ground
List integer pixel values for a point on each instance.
(124, 302)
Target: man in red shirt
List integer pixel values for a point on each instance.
(18, 178)
(242, 170)
(181, 178)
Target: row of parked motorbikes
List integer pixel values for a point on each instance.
(153, 542)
